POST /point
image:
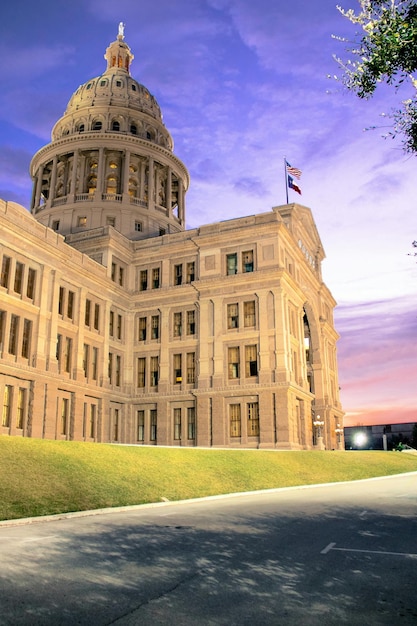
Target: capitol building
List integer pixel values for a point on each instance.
(118, 325)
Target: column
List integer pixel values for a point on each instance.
(73, 184)
(125, 181)
(38, 188)
(168, 192)
(100, 174)
(150, 183)
(52, 183)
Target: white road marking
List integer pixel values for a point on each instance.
(331, 546)
(38, 539)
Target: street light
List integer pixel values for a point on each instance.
(339, 432)
(318, 425)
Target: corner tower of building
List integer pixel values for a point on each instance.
(110, 161)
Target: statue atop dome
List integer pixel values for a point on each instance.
(121, 34)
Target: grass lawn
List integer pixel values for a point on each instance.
(41, 477)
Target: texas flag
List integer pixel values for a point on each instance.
(293, 185)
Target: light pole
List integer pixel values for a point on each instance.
(339, 433)
(318, 425)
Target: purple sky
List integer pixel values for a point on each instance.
(241, 84)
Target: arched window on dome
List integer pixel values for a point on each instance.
(111, 184)
(81, 128)
(133, 188)
(133, 87)
(97, 125)
(115, 125)
(92, 183)
(133, 129)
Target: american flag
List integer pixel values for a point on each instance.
(294, 171)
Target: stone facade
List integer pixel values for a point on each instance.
(118, 325)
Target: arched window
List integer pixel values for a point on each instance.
(97, 125)
(81, 128)
(133, 129)
(111, 184)
(115, 126)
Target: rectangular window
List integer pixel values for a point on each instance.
(21, 408)
(118, 372)
(93, 420)
(61, 301)
(141, 372)
(7, 405)
(153, 424)
(94, 363)
(26, 338)
(141, 426)
(142, 329)
(59, 349)
(253, 419)
(119, 327)
(249, 313)
(233, 315)
(55, 225)
(116, 416)
(190, 322)
(177, 324)
(190, 272)
(64, 415)
(111, 324)
(190, 368)
(177, 424)
(111, 221)
(178, 274)
(67, 354)
(233, 362)
(110, 368)
(138, 227)
(155, 327)
(2, 323)
(96, 316)
(82, 221)
(30, 287)
(155, 278)
(191, 422)
(154, 370)
(70, 305)
(231, 264)
(247, 261)
(251, 361)
(121, 276)
(5, 272)
(86, 351)
(13, 334)
(87, 314)
(235, 421)
(143, 282)
(113, 272)
(18, 277)
(177, 369)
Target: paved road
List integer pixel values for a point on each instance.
(341, 554)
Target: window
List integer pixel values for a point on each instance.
(81, 128)
(86, 351)
(97, 125)
(142, 329)
(70, 305)
(141, 372)
(13, 334)
(253, 419)
(233, 362)
(251, 362)
(115, 126)
(153, 424)
(247, 261)
(233, 315)
(155, 327)
(7, 405)
(116, 416)
(58, 348)
(177, 424)
(249, 318)
(87, 314)
(67, 354)
(118, 370)
(5, 272)
(231, 264)
(177, 274)
(143, 282)
(154, 370)
(190, 367)
(96, 316)
(235, 421)
(191, 422)
(121, 276)
(18, 277)
(155, 278)
(2, 323)
(113, 272)
(190, 272)
(30, 287)
(55, 225)
(93, 419)
(61, 301)
(140, 425)
(64, 415)
(21, 407)
(133, 127)
(138, 227)
(27, 334)
(82, 221)
(190, 322)
(119, 327)
(177, 324)
(177, 369)
(110, 368)
(94, 363)
(162, 231)
(111, 221)
(111, 324)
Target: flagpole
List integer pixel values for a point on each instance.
(286, 178)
